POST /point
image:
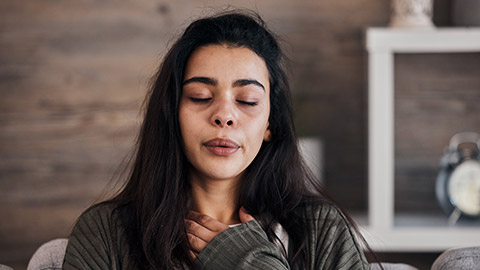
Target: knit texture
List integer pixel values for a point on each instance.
(98, 242)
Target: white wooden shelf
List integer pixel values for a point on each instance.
(443, 40)
(385, 230)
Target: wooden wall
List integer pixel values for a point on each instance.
(436, 96)
(73, 75)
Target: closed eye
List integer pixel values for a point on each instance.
(247, 103)
(200, 100)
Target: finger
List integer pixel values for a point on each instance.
(199, 231)
(196, 243)
(193, 255)
(207, 222)
(244, 216)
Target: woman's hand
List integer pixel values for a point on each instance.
(201, 229)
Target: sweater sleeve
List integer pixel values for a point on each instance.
(242, 247)
(90, 243)
(333, 244)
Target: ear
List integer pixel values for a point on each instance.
(268, 134)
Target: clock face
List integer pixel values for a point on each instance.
(464, 187)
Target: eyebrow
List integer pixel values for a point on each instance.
(211, 81)
(245, 82)
(204, 80)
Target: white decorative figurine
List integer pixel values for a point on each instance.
(412, 13)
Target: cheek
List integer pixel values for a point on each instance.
(185, 125)
(259, 128)
(191, 128)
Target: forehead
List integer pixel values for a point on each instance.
(225, 62)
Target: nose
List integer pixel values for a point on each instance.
(224, 115)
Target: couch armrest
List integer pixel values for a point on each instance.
(458, 258)
(49, 256)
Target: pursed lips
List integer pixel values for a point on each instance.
(221, 147)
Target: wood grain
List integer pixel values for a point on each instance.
(436, 96)
(73, 75)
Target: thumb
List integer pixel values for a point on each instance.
(244, 216)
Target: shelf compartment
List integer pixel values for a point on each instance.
(385, 230)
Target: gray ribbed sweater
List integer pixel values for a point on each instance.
(98, 242)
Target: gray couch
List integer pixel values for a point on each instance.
(50, 255)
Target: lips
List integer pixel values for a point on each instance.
(221, 147)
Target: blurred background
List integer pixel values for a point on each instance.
(73, 76)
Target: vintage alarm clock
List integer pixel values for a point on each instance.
(458, 182)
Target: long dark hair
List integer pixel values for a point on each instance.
(156, 197)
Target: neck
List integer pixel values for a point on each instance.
(216, 198)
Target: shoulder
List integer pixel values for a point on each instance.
(99, 214)
(96, 240)
(99, 222)
(100, 209)
(326, 219)
(321, 210)
(333, 236)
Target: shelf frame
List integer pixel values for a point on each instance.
(382, 44)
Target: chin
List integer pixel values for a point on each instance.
(222, 174)
(220, 177)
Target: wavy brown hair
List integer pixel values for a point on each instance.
(156, 197)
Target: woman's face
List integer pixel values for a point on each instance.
(224, 110)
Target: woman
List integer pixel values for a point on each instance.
(217, 182)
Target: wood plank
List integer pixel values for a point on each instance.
(436, 96)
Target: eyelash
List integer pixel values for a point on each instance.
(200, 100)
(247, 103)
(204, 100)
